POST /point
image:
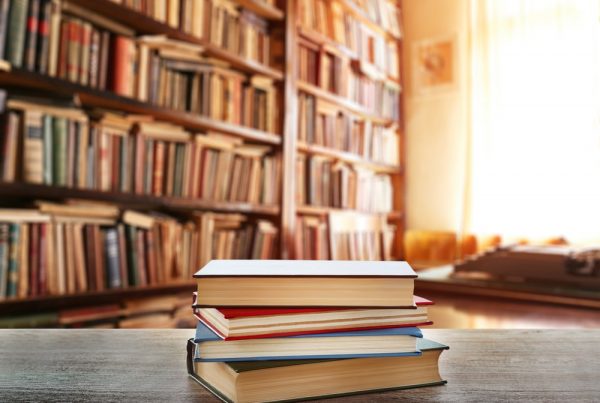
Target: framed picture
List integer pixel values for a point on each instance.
(434, 65)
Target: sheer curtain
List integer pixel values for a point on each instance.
(534, 166)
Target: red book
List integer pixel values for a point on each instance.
(123, 61)
(252, 323)
(43, 257)
(34, 244)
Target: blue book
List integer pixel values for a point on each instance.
(393, 342)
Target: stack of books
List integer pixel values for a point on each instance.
(276, 330)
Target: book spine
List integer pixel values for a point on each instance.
(94, 58)
(4, 5)
(90, 262)
(32, 34)
(13, 260)
(43, 266)
(132, 255)
(33, 148)
(54, 38)
(4, 255)
(23, 281)
(84, 62)
(123, 268)
(17, 27)
(47, 149)
(59, 149)
(43, 46)
(111, 247)
(34, 267)
(141, 258)
(124, 59)
(74, 50)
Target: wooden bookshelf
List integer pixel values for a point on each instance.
(347, 157)
(146, 202)
(144, 25)
(90, 97)
(91, 298)
(285, 34)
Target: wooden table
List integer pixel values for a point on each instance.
(149, 365)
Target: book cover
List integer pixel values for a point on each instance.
(205, 334)
(305, 268)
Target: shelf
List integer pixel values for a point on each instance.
(348, 157)
(262, 8)
(146, 25)
(27, 190)
(104, 99)
(91, 298)
(323, 211)
(341, 102)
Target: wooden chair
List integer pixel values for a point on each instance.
(359, 236)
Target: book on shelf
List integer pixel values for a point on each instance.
(250, 323)
(322, 181)
(221, 22)
(233, 236)
(389, 342)
(68, 41)
(303, 283)
(111, 152)
(355, 61)
(311, 238)
(325, 124)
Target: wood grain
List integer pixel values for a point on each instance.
(149, 365)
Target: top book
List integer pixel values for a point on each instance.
(298, 283)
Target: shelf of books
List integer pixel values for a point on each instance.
(348, 138)
(140, 139)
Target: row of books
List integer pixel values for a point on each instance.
(222, 22)
(174, 75)
(365, 44)
(311, 238)
(79, 247)
(324, 182)
(333, 72)
(383, 12)
(104, 151)
(350, 325)
(66, 41)
(325, 124)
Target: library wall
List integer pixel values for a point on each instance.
(436, 122)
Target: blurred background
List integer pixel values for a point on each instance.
(140, 139)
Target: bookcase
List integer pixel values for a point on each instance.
(203, 128)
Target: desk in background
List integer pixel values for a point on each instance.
(463, 303)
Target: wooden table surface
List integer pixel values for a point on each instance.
(149, 365)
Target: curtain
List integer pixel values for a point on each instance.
(534, 166)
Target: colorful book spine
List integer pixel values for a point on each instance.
(4, 255)
(17, 27)
(32, 34)
(13, 260)
(111, 248)
(4, 5)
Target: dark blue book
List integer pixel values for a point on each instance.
(393, 342)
